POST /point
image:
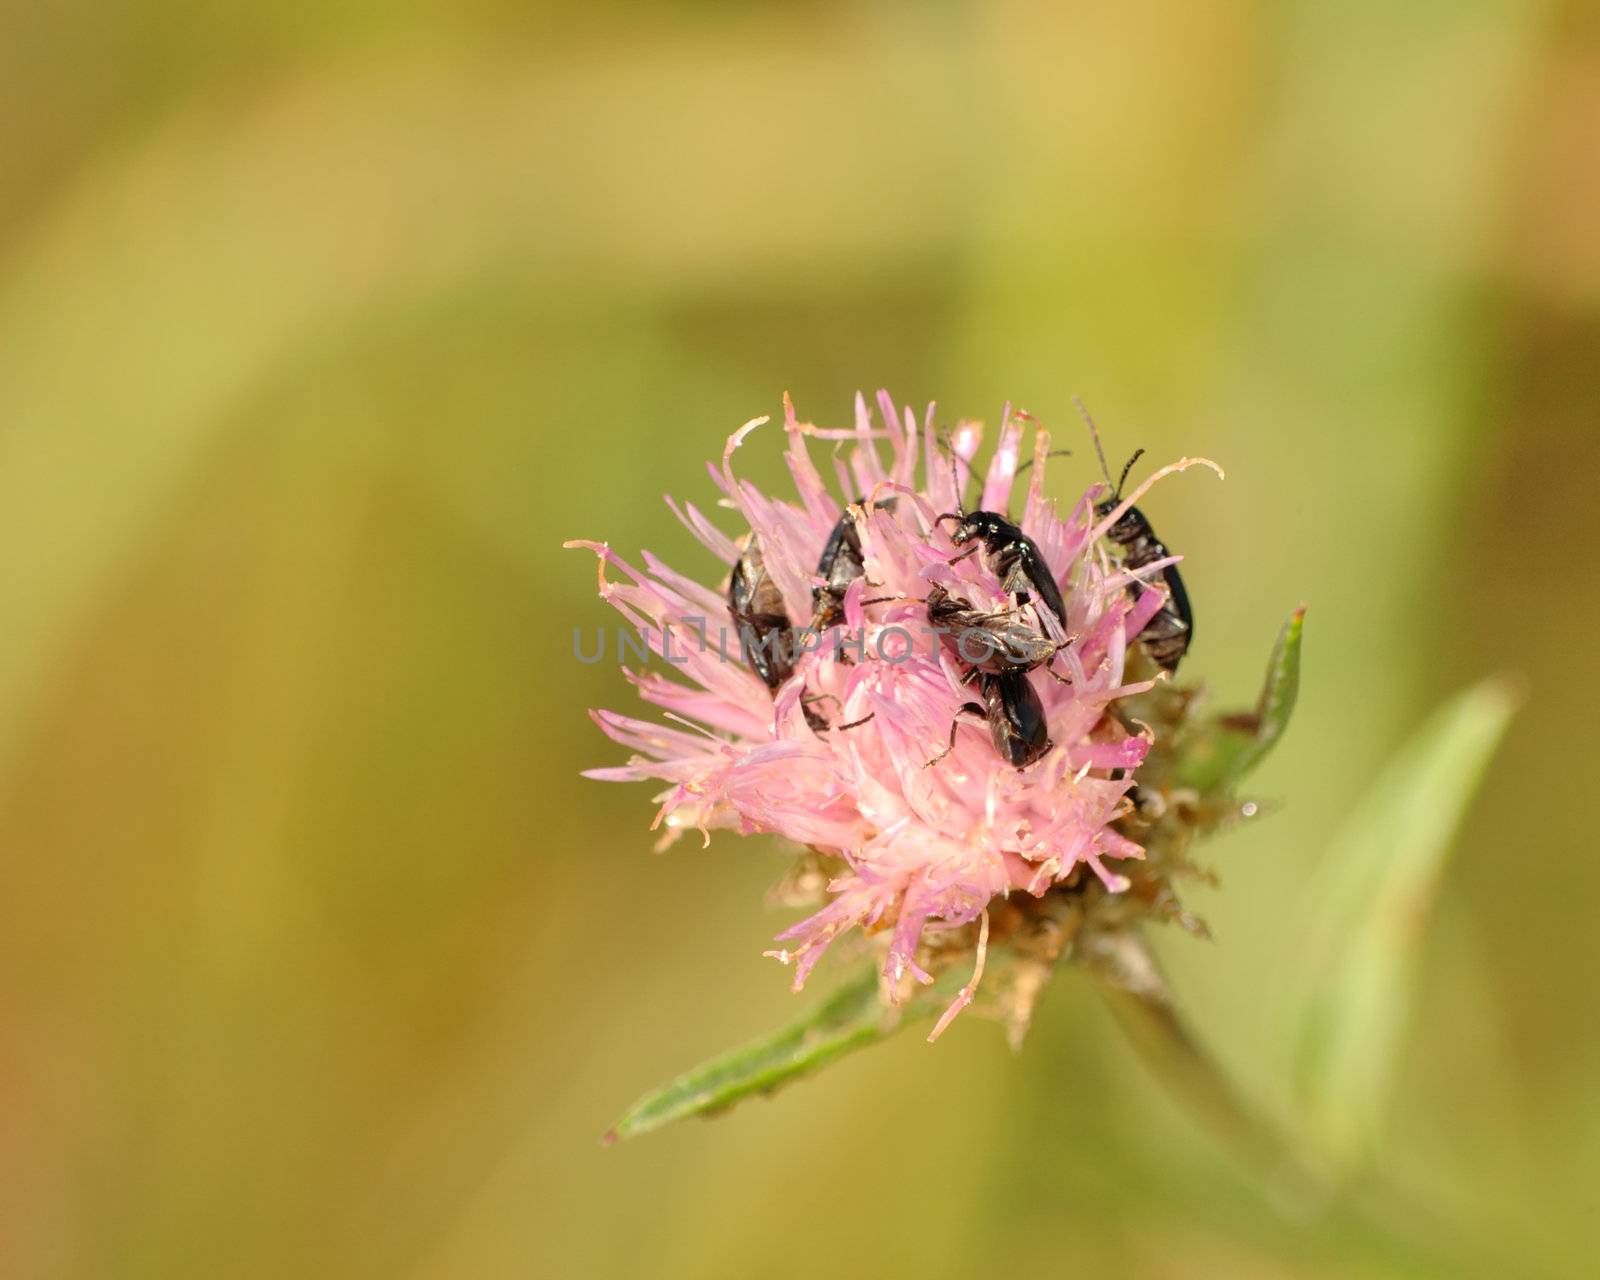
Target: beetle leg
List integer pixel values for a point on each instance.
(971, 709)
(1050, 669)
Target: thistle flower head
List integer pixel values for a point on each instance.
(862, 743)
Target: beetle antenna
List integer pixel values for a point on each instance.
(955, 474)
(1094, 434)
(1054, 453)
(1123, 479)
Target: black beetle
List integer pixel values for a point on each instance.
(1014, 713)
(1012, 554)
(841, 564)
(756, 604)
(1168, 635)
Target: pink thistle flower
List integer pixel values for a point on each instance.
(837, 756)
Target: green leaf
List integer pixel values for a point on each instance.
(854, 1016)
(1371, 900)
(1218, 755)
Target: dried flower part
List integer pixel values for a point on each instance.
(837, 756)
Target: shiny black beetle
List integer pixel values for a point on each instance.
(1013, 556)
(841, 564)
(766, 639)
(1004, 653)
(756, 605)
(1016, 716)
(1168, 635)
(1014, 713)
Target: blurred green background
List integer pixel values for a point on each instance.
(322, 326)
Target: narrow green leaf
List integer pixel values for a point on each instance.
(1371, 900)
(852, 1017)
(1218, 755)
